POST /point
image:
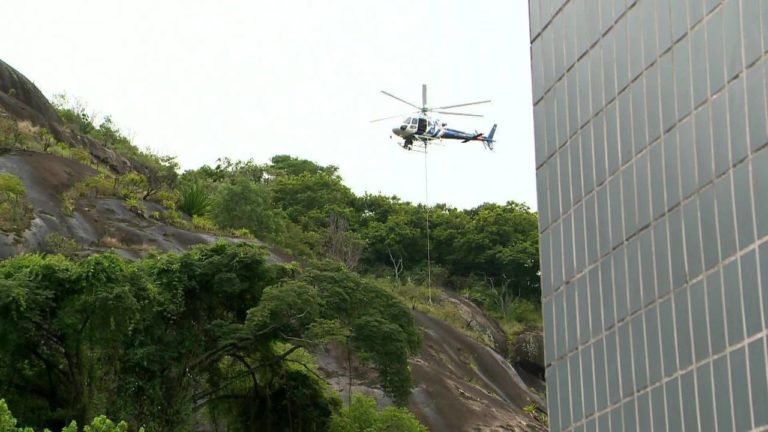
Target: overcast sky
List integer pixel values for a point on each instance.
(251, 79)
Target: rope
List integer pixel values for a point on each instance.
(426, 193)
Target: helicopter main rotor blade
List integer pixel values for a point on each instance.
(401, 100)
(458, 114)
(423, 95)
(462, 105)
(391, 117)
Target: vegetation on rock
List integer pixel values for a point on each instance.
(15, 212)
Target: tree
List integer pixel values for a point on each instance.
(160, 171)
(245, 204)
(342, 244)
(284, 165)
(216, 329)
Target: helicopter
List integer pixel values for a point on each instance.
(421, 129)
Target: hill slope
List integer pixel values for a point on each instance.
(460, 384)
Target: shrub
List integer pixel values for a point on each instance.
(15, 213)
(98, 424)
(202, 223)
(135, 205)
(56, 243)
(241, 233)
(91, 187)
(175, 218)
(363, 415)
(131, 185)
(194, 200)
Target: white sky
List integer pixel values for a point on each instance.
(251, 79)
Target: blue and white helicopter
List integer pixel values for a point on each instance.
(421, 130)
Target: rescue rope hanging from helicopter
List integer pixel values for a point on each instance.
(421, 130)
(426, 204)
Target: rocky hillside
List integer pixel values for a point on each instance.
(460, 383)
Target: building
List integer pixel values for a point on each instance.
(652, 173)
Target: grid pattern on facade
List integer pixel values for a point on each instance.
(652, 173)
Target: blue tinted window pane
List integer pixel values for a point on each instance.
(625, 357)
(751, 291)
(683, 329)
(740, 390)
(657, 179)
(658, 408)
(612, 363)
(586, 381)
(732, 37)
(737, 118)
(760, 183)
(688, 390)
(667, 322)
(606, 292)
(759, 386)
(715, 51)
(639, 352)
(742, 194)
(687, 149)
(676, 247)
(699, 322)
(674, 415)
(601, 384)
(693, 252)
(722, 396)
(726, 227)
(732, 297)
(756, 97)
(699, 65)
(661, 248)
(707, 215)
(577, 406)
(682, 62)
(715, 311)
(671, 170)
(704, 164)
(720, 134)
(704, 391)
(653, 344)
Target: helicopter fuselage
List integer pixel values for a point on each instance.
(425, 129)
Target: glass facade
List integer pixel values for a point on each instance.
(652, 174)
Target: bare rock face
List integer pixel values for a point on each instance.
(21, 100)
(96, 224)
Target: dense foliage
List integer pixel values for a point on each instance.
(362, 415)
(99, 424)
(216, 333)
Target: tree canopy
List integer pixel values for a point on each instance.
(216, 330)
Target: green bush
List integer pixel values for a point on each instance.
(98, 424)
(363, 416)
(15, 213)
(91, 187)
(194, 200)
(56, 243)
(202, 223)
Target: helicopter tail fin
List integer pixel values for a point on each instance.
(488, 141)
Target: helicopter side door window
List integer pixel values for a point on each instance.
(422, 126)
